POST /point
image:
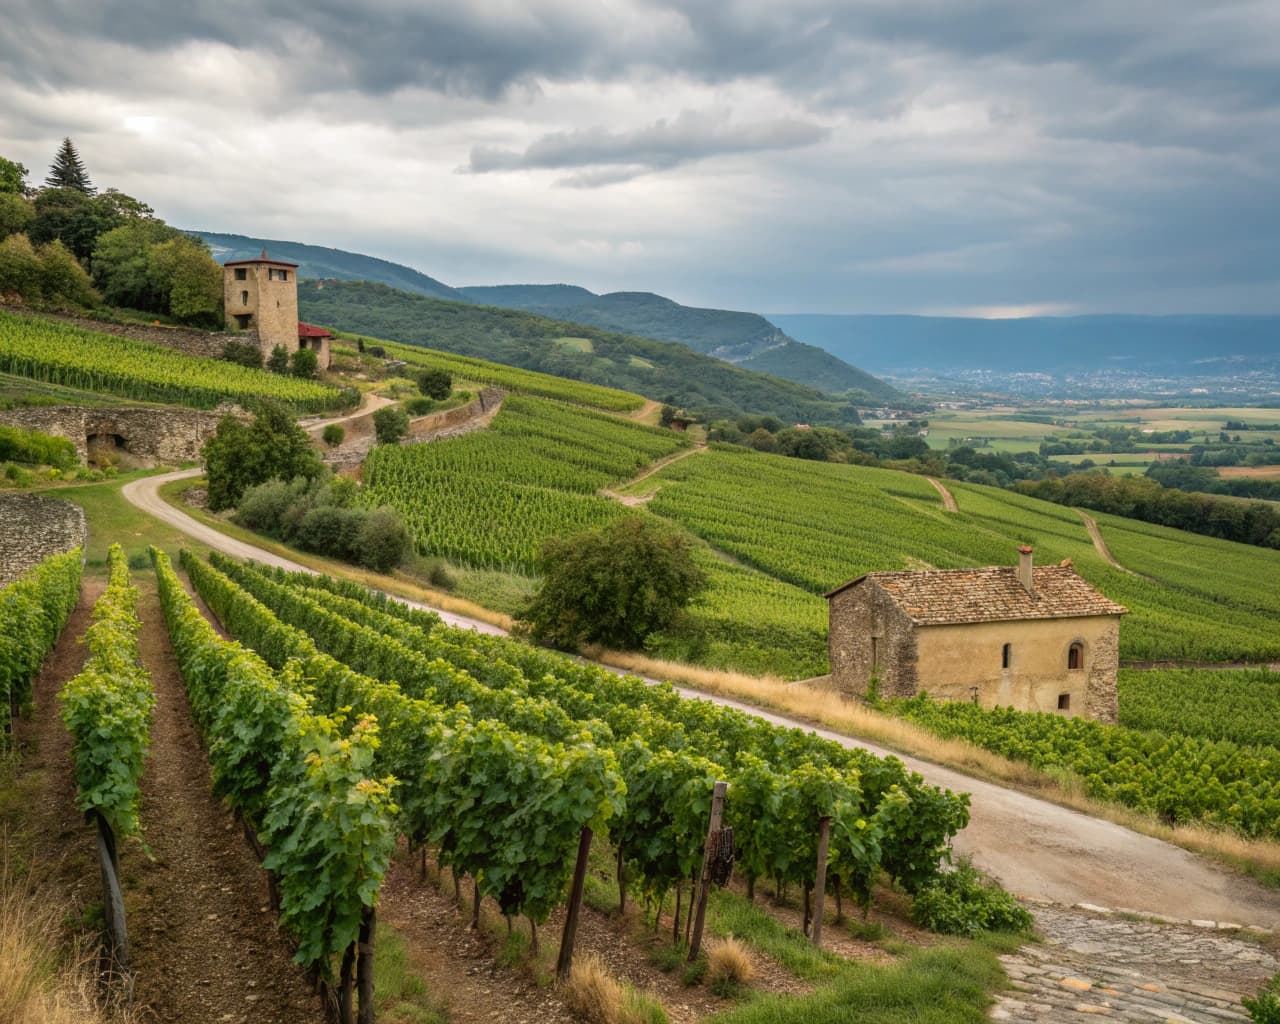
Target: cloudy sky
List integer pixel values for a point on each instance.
(980, 156)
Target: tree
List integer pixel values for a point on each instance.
(16, 214)
(240, 455)
(278, 361)
(304, 363)
(62, 279)
(333, 434)
(242, 353)
(13, 177)
(382, 541)
(68, 171)
(437, 384)
(183, 272)
(19, 268)
(613, 586)
(390, 423)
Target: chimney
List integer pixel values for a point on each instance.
(1024, 569)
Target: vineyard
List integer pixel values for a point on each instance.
(1213, 704)
(56, 353)
(504, 753)
(510, 378)
(1180, 778)
(814, 525)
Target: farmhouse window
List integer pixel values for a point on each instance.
(1005, 653)
(1075, 656)
(1064, 702)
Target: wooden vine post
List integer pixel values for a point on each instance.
(565, 960)
(364, 965)
(704, 879)
(820, 883)
(112, 895)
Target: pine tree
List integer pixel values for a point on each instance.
(68, 170)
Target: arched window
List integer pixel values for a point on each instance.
(1005, 654)
(1075, 656)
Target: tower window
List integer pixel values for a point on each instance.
(1075, 656)
(1006, 653)
(242, 274)
(244, 298)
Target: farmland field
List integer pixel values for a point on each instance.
(70, 357)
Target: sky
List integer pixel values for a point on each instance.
(975, 157)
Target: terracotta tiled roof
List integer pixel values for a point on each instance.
(311, 331)
(941, 596)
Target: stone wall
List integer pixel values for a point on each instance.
(1101, 697)
(145, 432)
(869, 632)
(185, 339)
(32, 528)
(432, 424)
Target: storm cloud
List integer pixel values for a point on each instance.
(880, 155)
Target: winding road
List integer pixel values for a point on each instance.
(1035, 848)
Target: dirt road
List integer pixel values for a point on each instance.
(1035, 848)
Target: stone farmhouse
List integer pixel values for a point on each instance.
(261, 295)
(1032, 638)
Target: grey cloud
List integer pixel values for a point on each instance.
(619, 156)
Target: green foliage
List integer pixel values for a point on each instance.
(333, 434)
(58, 353)
(13, 177)
(490, 499)
(612, 586)
(68, 170)
(107, 707)
(47, 276)
(1178, 778)
(326, 820)
(1213, 704)
(962, 902)
(382, 541)
(240, 455)
(33, 610)
(390, 424)
(243, 354)
(145, 264)
(304, 363)
(882, 815)
(661, 370)
(435, 383)
(189, 279)
(278, 360)
(1264, 1008)
(30, 446)
(16, 213)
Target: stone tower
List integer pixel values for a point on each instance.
(261, 295)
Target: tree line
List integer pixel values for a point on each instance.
(66, 245)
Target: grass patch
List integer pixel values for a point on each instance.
(598, 997)
(506, 592)
(947, 984)
(731, 914)
(400, 996)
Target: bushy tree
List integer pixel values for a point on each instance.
(278, 361)
(19, 268)
(437, 384)
(613, 586)
(303, 363)
(187, 277)
(333, 434)
(243, 353)
(382, 542)
(16, 213)
(390, 423)
(62, 279)
(68, 170)
(240, 455)
(13, 178)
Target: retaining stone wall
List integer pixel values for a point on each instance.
(163, 434)
(32, 528)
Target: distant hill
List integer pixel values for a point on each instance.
(316, 261)
(661, 370)
(745, 338)
(1176, 345)
(726, 334)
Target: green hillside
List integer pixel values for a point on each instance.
(317, 261)
(746, 339)
(660, 370)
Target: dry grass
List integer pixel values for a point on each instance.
(729, 963)
(825, 707)
(38, 985)
(598, 997)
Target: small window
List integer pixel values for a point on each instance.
(1005, 653)
(284, 275)
(242, 274)
(1064, 702)
(244, 298)
(1075, 656)
(244, 320)
(875, 653)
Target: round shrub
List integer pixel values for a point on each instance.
(383, 541)
(962, 902)
(333, 435)
(328, 530)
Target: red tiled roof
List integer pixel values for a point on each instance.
(264, 258)
(942, 596)
(311, 331)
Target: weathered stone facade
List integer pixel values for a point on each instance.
(32, 528)
(145, 432)
(260, 297)
(1035, 640)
